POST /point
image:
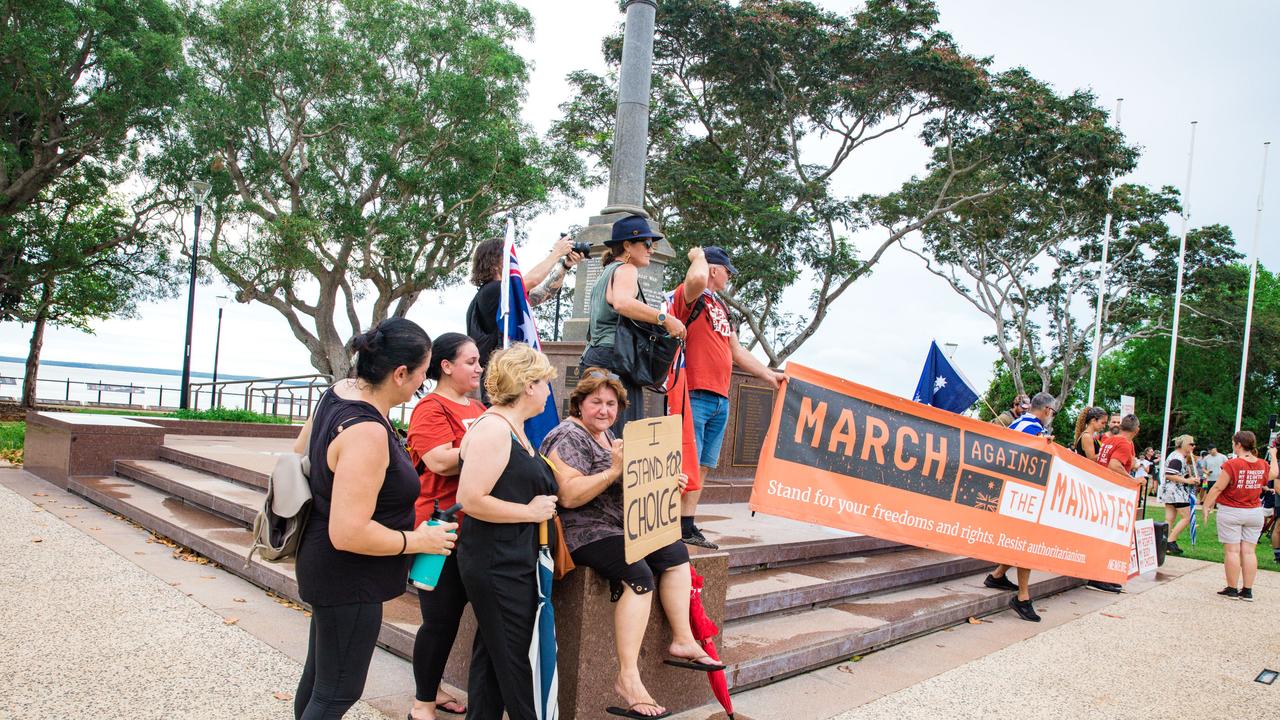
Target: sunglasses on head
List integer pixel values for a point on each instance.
(597, 375)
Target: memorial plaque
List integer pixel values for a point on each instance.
(572, 374)
(753, 408)
(650, 283)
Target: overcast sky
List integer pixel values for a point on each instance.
(1173, 62)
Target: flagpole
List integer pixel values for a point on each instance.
(1177, 302)
(504, 294)
(1253, 279)
(1102, 281)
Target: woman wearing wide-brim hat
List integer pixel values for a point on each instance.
(617, 294)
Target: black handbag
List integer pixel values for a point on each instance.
(643, 352)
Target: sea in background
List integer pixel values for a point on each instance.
(78, 383)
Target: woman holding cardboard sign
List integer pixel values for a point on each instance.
(589, 461)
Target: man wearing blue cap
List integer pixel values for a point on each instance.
(712, 349)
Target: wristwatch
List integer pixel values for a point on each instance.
(662, 318)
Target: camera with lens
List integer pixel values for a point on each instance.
(582, 248)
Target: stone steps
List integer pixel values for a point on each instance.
(810, 600)
(226, 541)
(761, 650)
(815, 584)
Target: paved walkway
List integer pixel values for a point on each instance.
(1177, 648)
(99, 621)
(89, 634)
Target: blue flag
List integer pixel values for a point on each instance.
(516, 319)
(942, 385)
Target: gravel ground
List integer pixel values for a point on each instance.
(88, 634)
(1177, 648)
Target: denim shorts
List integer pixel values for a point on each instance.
(710, 416)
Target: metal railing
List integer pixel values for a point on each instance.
(297, 394)
(292, 396)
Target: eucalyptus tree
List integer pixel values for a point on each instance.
(357, 150)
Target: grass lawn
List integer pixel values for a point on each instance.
(1207, 546)
(12, 435)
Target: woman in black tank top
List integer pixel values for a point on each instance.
(507, 490)
(1089, 424)
(353, 553)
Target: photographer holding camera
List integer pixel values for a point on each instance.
(542, 281)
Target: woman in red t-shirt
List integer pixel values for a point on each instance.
(1239, 493)
(435, 432)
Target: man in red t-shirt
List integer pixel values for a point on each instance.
(1117, 450)
(711, 351)
(1238, 492)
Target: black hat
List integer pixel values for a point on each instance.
(716, 255)
(632, 227)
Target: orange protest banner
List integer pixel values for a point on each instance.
(849, 457)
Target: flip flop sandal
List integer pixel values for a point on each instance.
(694, 664)
(440, 707)
(630, 712)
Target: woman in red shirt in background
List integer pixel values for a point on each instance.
(1239, 492)
(435, 432)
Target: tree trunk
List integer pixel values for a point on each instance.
(37, 342)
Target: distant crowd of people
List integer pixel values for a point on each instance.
(466, 443)
(1241, 486)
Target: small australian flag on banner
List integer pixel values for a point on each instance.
(942, 385)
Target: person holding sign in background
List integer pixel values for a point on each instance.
(1238, 490)
(589, 459)
(1033, 422)
(712, 349)
(508, 490)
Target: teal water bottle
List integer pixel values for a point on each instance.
(425, 572)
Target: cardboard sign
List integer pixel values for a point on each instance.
(846, 456)
(651, 465)
(1127, 404)
(1145, 531)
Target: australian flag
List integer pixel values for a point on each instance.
(515, 317)
(942, 385)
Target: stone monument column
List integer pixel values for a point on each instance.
(626, 174)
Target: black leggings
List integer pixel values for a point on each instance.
(339, 649)
(441, 613)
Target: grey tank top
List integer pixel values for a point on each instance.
(603, 326)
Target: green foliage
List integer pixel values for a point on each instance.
(1208, 365)
(1206, 384)
(81, 255)
(755, 106)
(231, 415)
(12, 435)
(82, 79)
(356, 148)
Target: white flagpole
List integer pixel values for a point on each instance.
(1177, 303)
(1253, 279)
(1102, 281)
(504, 286)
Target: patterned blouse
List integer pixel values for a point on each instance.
(601, 516)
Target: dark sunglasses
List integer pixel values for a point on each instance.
(648, 243)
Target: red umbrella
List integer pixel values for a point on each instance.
(703, 631)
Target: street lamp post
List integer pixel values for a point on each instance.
(199, 190)
(217, 345)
